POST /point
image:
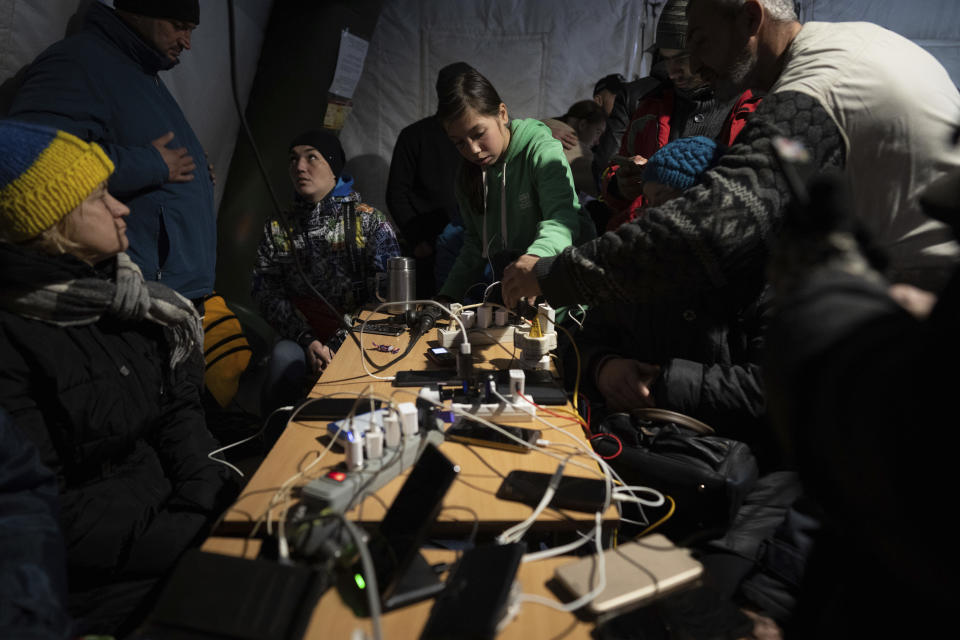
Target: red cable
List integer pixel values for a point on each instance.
(590, 436)
(555, 415)
(609, 435)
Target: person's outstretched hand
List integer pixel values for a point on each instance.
(519, 281)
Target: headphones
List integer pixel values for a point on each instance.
(412, 318)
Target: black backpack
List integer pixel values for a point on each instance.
(706, 475)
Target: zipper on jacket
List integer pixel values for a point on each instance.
(118, 362)
(156, 242)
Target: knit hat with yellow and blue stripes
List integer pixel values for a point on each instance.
(44, 175)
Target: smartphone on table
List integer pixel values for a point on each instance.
(442, 356)
(383, 328)
(576, 493)
(468, 431)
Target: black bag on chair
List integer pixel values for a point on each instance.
(706, 475)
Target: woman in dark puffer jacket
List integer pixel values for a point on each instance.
(102, 372)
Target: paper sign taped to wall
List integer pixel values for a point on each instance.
(353, 51)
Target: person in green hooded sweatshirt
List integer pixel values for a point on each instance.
(514, 188)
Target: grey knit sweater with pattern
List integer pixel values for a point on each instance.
(719, 232)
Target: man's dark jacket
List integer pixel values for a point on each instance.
(102, 86)
(420, 189)
(707, 345)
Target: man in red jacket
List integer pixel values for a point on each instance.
(682, 106)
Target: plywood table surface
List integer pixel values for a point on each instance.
(293, 460)
(333, 619)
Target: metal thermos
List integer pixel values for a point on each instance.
(401, 282)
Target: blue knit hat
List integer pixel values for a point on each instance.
(44, 175)
(680, 163)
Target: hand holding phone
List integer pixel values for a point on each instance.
(630, 176)
(627, 161)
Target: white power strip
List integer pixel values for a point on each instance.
(337, 489)
(491, 335)
(521, 411)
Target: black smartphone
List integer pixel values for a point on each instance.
(442, 356)
(331, 408)
(409, 519)
(469, 431)
(425, 377)
(540, 386)
(384, 328)
(577, 494)
(476, 594)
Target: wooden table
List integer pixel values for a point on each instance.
(332, 620)
(482, 470)
(292, 461)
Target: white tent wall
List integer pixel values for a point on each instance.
(200, 83)
(543, 56)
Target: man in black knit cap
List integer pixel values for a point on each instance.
(102, 86)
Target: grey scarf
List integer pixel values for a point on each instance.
(84, 301)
